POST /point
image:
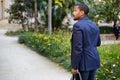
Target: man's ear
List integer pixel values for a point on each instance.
(82, 12)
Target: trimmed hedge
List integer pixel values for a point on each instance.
(14, 33)
(103, 30)
(106, 30)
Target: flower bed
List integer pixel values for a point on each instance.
(55, 47)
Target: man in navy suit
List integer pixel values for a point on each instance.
(84, 42)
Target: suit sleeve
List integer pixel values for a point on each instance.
(77, 47)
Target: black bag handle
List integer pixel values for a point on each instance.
(76, 76)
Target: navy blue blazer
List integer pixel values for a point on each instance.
(84, 42)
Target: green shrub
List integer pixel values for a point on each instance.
(14, 33)
(106, 30)
(103, 30)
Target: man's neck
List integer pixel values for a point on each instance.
(82, 17)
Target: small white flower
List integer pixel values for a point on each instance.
(114, 65)
(114, 77)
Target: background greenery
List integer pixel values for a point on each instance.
(22, 10)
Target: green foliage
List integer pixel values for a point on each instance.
(110, 62)
(16, 11)
(107, 10)
(106, 30)
(29, 5)
(14, 33)
(23, 38)
(60, 9)
(57, 48)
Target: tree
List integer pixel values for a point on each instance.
(107, 10)
(16, 12)
(112, 10)
(21, 10)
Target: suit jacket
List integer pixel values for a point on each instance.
(84, 42)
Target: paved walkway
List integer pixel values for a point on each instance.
(105, 42)
(17, 62)
(109, 39)
(5, 25)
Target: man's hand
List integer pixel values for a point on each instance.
(74, 71)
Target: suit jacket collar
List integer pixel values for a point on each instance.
(84, 18)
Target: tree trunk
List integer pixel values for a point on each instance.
(50, 16)
(2, 5)
(35, 15)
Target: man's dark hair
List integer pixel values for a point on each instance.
(83, 7)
